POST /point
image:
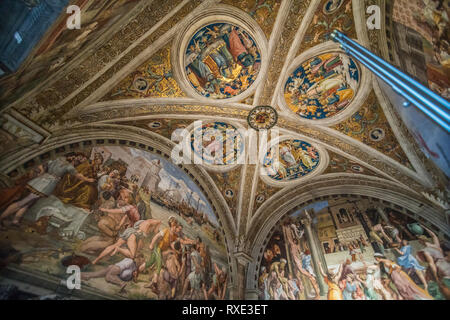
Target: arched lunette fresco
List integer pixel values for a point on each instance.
(405, 211)
(201, 226)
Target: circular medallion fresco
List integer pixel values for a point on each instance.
(222, 61)
(229, 193)
(154, 124)
(357, 168)
(322, 86)
(291, 159)
(260, 198)
(262, 118)
(377, 134)
(140, 84)
(217, 143)
(331, 6)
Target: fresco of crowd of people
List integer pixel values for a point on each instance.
(397, 271)
(178, 267)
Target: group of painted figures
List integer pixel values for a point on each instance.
(222, 61)
(322, 86)
(291, 159)
(177, 266)
(288, 270)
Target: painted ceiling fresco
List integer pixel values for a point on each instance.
(228, 183)
(264, 12)
(263, 193)
(222, 61)
(370, 126)
(63, 45)
(330, 15)
(104, 57)
(163, 127)
(87, 179)
(322, 86)
(340, 164)
(152, 79)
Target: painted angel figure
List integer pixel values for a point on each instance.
(312, 152)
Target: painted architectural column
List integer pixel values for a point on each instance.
(383, 215)
(239, 288)
(315, 253)
(320, 253)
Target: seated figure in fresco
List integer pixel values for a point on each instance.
(287, 156)
(199, 69)
(237, 49)
(305, 158)
(80, 193)
(44, 185)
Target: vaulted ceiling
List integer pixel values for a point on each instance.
(80, 85)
